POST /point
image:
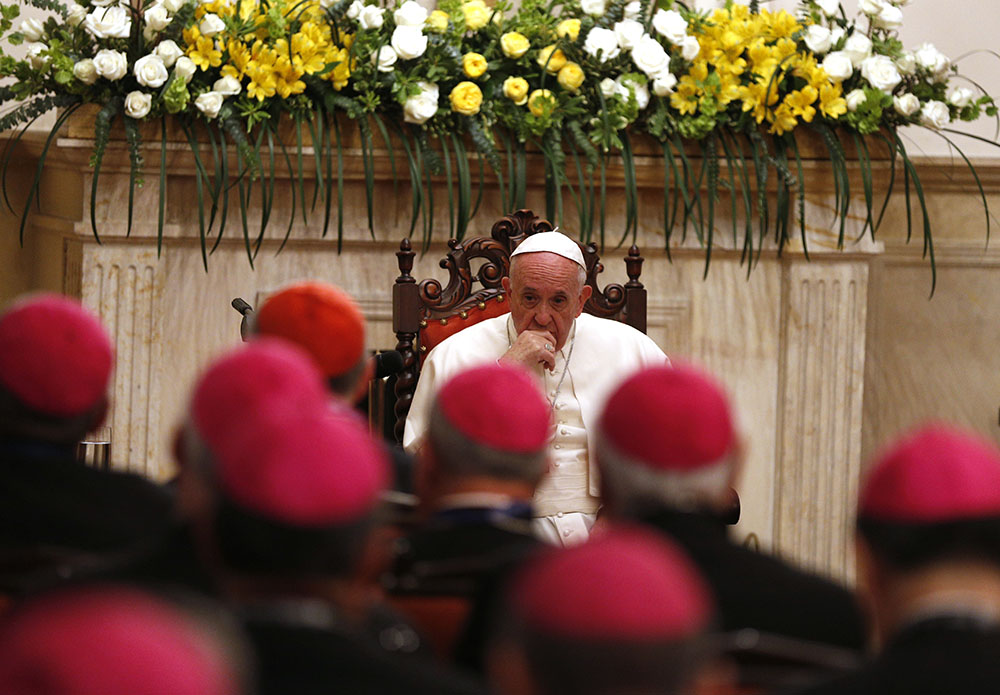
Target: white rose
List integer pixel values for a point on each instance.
(354, 11)
(932, 60)
(960, 96)
(137, 104)
(891, 17)
(409, 42)
(75, 14)
(906, 63)
(881, 73)
(608, 87)
(649, 56)
(103, 3)
(631, 10)
(818, 38)
(829, 7)
(664, 83)
(690, 48)
(838, 66)
(185, 68)
(935, 115)
(174, 6)
(857, 48)
(626, 85)
(33, 54)
(594, 8)
(169, 52)
(628, 32)
(150, 71)
(410, 14)
(209, 103)
(211, 24)
(385, 59)
(227, 86)
(372, 17)
(871, 7)
(906, 104)
(836, 34)
(854, 99)
(85, 71)
(671, 24)
(111, 65)
(602, 41)
(109, 23)
(156, 18)
(32, 29)
(418, 109)
(327, 4)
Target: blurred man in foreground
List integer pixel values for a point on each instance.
(625, 612)
(669, 455)
(59, 518)
(928, 550)
(116, 641)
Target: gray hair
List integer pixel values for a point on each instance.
(636, 488)
(460, 455)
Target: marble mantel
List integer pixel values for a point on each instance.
(788, 338)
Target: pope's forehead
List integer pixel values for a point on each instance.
(543, 266)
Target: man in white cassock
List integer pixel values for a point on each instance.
(579, 360)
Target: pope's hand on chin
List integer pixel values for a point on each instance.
(532, 347)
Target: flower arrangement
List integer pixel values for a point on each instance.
(577, 80)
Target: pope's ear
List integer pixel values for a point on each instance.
(505, 282)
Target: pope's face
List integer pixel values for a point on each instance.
(545, 294)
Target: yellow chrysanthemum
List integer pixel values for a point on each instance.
(831, 102)
(204, 54)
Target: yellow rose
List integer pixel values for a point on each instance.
(539, 100)
(516, 89)
(568, 28)
(473, 64)
(438, 21)
(514, 44)
(570, 77)
(477, 14)
(552, 59)
(466, 98)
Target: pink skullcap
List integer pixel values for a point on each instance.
(937, 473)
(55, 357)
(498, 406)
(671, 418)
(322, 319)
(625, 584)
(315, 470)
(111, 641)
(256, 381)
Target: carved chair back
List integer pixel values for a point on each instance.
(426, 312)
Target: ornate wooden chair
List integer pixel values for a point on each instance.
(424, 313)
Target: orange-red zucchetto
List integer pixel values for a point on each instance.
(108, 641)
(499, 406)
(935, 474)
(322, 319)
(55, 357)
(670, 418)
(625, 584)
